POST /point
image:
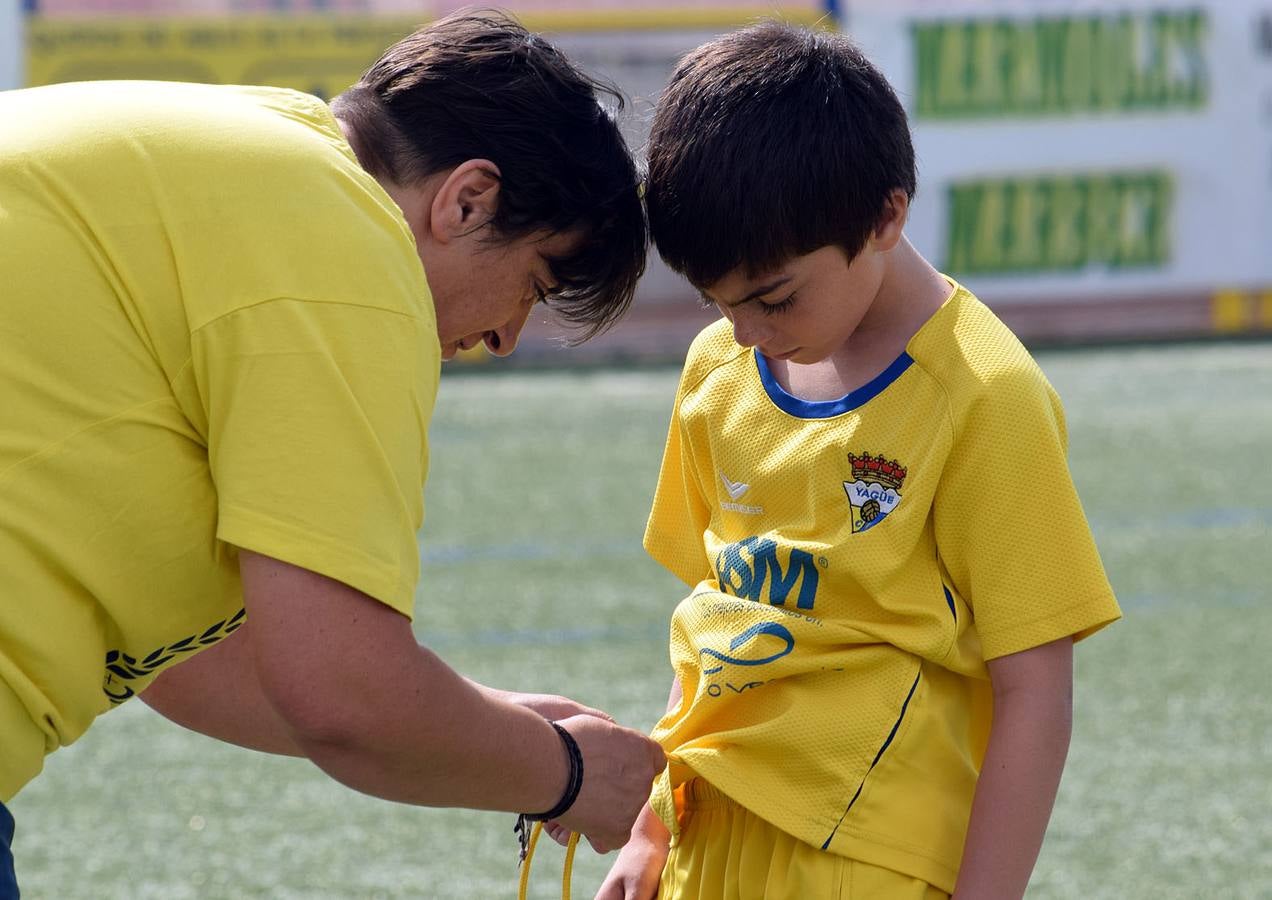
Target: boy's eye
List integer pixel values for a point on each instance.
(780, 306)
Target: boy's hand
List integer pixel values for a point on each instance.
(636, 872)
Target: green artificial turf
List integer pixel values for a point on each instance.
(534, 579)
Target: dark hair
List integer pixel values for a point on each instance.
(769, 143)
(476, 85)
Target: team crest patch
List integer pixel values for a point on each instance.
(875, 489)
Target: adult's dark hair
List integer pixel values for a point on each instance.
(476, 85)
(769, 143)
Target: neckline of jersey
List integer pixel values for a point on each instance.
(827, 409)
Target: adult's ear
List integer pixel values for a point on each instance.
(465, 201)
(887, 232)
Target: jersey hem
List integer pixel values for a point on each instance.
(847, 842)
(24, 748)
(934, 872)
(1079, 621)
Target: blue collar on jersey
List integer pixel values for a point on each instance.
(825, 409)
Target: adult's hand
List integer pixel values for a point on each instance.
(552, 706)
(619, 767)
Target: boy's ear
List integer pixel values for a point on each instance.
(465, 201)
(891, 221)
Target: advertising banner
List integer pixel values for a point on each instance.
(1088, 151)
(1089, 167)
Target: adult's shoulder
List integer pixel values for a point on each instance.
(263, 198)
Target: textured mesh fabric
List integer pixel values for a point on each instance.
(854, 564)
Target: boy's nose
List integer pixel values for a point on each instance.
(747, 333)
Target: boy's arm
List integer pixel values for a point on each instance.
(636, 872)
(1028, 742)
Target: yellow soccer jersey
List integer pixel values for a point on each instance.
(855, 562)
(215, 332)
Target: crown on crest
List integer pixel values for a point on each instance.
(888, 473)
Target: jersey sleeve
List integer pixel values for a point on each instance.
(1009, 526)
(680, 514)
(317, 418)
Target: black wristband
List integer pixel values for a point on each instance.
(572, 786)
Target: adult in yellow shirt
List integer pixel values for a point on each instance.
(223, 317)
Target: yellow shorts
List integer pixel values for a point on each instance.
(726, 852)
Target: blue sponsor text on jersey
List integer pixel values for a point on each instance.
(864, 491)
(751, 569)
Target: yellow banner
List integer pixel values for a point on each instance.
(322, 55)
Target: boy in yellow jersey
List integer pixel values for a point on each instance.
(865, 483)
(223, 316)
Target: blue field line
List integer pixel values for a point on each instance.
(1192, 520)
(545, 637)
(612, 634)
(527, 551)
(1144, 602)
(535, 551)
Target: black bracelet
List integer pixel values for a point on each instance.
(572, 787)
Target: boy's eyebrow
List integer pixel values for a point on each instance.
(758, 292)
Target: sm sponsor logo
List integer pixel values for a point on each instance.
(753, 569)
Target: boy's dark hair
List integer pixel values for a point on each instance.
(769, 143)
(477, 85)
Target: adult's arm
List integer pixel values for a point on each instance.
(549, 706)
(216, 692)
(378, 712)
(1028, 743)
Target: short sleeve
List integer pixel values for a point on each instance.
(317, 419)
(680, 515)
(1009, 526)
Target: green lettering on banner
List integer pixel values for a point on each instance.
(1110, 220)
(1065, 247)
(1052, 35)
(1113, 62)
(1197, 82)
(985, 69)
(1060, 65)
(1022, 69)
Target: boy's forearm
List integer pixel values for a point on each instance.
(1017, 788)
(649, 827)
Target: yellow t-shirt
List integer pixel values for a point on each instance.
(215, 332)
(855, 563)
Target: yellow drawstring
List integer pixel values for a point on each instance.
(566, 875)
